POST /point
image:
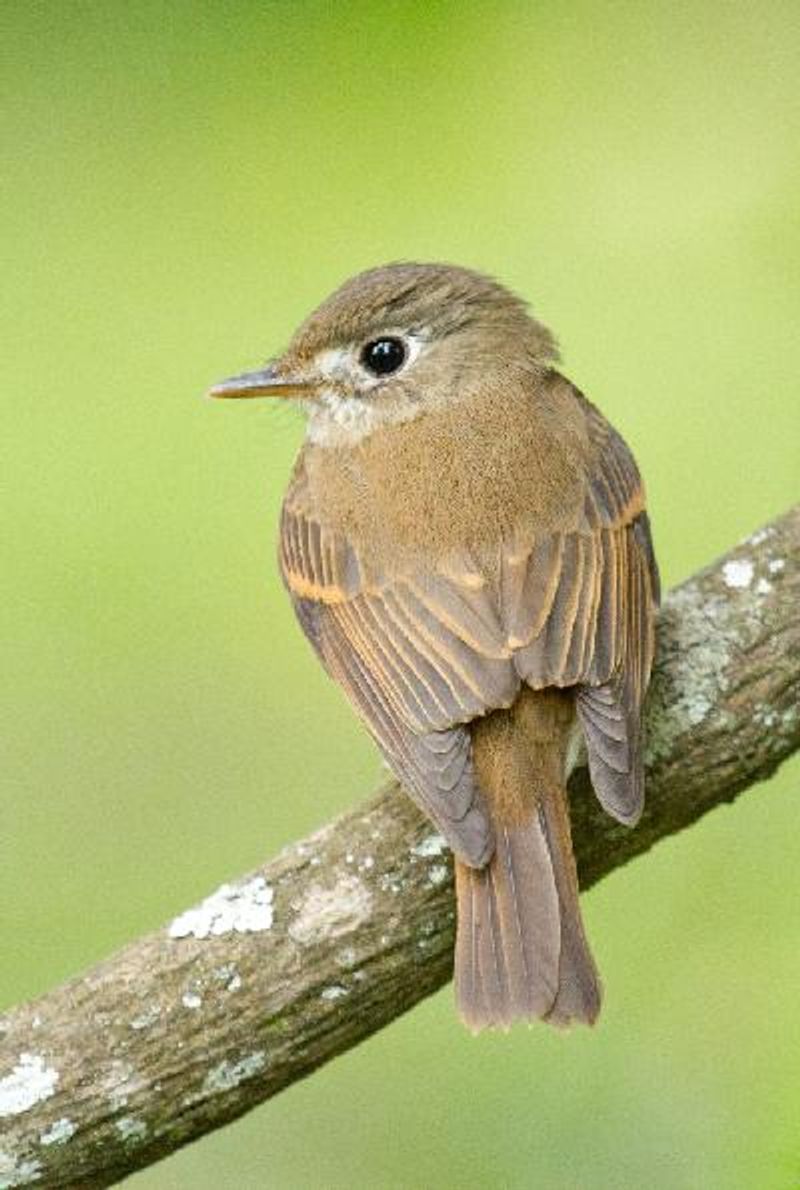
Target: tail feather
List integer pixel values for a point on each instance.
(521, 952)
(579, 989)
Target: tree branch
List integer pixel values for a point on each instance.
(277, 973)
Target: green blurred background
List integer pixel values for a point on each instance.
(181, 183)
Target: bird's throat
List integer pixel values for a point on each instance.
(337, 421)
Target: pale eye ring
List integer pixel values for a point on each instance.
(382, 357)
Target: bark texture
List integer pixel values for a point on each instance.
(285, 968)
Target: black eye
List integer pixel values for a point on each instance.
(384, 356)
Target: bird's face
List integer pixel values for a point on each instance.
(395, 342)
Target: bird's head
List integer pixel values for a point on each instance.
(394, 342)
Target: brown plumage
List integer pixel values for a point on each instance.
(466, 547)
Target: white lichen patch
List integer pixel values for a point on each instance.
(229, 1075)
(244, 909)
(59, 1132)
(765, 715)
(147, 1018)
(191, 1000)
(761, 535)
(326, 913)
(738, 573)
(437, 874)
(30, 1082)
(334, 992)
(763, 586)
(776, 565)
(17, 1173)
(120, 1083)
(131, 1129)
(430, 846)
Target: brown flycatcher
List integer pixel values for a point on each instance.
(465, 543)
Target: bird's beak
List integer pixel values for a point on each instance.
(269, 382)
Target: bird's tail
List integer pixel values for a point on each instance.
(521, 951)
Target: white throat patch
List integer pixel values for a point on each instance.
(342, 421)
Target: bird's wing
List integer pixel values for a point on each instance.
(419, 656)
(580, 610)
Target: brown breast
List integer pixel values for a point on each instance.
(462, 478)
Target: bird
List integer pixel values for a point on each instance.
(465, 542)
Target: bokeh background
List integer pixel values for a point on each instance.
(181, 183)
